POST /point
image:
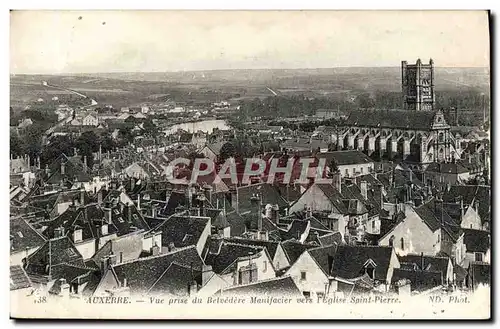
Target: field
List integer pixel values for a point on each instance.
(132, 89)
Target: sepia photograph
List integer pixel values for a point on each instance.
(274, 164)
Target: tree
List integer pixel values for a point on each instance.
(58, 145)
(227, 150)
(16, 145)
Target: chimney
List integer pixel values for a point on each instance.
(308, 212)
(206, 274)
(138, 202)
(85, 163)
(38, 162)
(63, 168)
(132, 183)
(129, 213)
(99, 196)
(104, 264)
(112, 260)
(82, 197)
(108, 212)
(462, 210)
(171, 246)
(275, 213)
(337, 181)
(364, 189)
(47, 170)
(155, 250)
(59, 232)
(104, 230)
(422, 261)
(64, 288)
(75, 153)
(153, 210)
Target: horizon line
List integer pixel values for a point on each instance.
(242, 69)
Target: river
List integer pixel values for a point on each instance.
(205, 126)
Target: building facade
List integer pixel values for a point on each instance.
(417, 82)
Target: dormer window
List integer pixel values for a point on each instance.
(369, 268)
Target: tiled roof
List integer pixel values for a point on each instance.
(228, 253)
(342, 158)
(419, 280)
(294, 249)
(183, 231)
(324, 257)
(142, 273)
(425, 263)
(272, 246)
(283, 286)
(349, 261)
(18, 278)
(391, 119)
(175, 281)
(476, 240)
(23, 236)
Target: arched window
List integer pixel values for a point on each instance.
(391, 241)
(402, 244)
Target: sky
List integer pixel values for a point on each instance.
(55, 42)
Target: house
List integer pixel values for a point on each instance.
(24, 240)
(151, 275)
(478, 274)
(274, 248)
(91, 119)
(424, 229)
(237, 263)
(295, 249)
(282, 286)
(477, 246)
(19, 165)
(180, 231)
(447, 173)
(311, 271)
(350, 163)
(443, 265)
(19, 280)
(472, 204)
(212, 150)
(377, 262)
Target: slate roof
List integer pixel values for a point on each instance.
(183, 231)
(391, 119)
(470, 193)
(434, 215)
(335, 197)
(52, 253)
(73, 170)
(23, 236)
(271, 246)
(226, 253)
(294, 249)
(419, 280)
(476, 240)
(446, 168)
(18, 278)
(343, 158)
(142, 273)
(430, 263)
(324, 256)
(267, 192)
(175, 281)
(349, 261)
(283, 286)
(331, 238)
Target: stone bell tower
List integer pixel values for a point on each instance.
(417, 82)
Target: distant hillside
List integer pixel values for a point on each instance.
(387, 78)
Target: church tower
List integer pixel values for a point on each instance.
(417, 82)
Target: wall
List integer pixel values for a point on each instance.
(86, 248)
(471, 217)
(417, 236)
(366, 167)
(17, 257)
(280, 260)
(316, 280)
(203, 238)
(314, 198)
